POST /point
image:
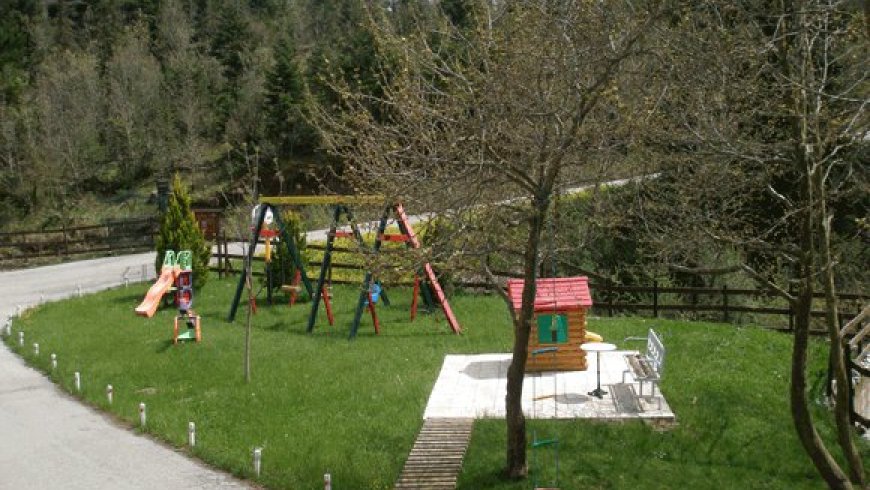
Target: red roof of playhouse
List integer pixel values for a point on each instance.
(554, 294)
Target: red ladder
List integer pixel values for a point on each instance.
(430, 274)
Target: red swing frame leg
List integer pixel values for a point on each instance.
(326, 302)
(374, 315)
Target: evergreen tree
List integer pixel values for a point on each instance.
(283, 269)
(285, 103)
(179, 231)
(460, 12)
(230, 41)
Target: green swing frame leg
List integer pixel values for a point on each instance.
(367, 282)
(324, 267)
(291, 245)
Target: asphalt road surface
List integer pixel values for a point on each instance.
(49, 440)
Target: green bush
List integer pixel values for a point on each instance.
(282, 268)
(179, 231)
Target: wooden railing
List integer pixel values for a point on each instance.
(716, 304)
(109, 237)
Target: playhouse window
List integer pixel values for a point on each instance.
(552, 329)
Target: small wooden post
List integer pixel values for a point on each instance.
(725, 315)
(655, 299)
(65, 243)
(610, 303)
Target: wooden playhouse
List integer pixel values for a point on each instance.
(559, 322)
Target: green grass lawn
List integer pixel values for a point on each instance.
(319, 403)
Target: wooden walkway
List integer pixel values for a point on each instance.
(436, 458)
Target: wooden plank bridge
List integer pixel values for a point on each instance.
(436, 458)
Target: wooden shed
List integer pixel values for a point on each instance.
(559, 322)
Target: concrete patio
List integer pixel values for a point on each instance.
(474, 386)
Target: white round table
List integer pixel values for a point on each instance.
(597, 348)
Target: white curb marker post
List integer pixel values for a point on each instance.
(110, 392)
(327, 481)
(78, 380)
(258, 457)
(20, 339)
(142, 416)
(53, 361)
(191, 434)
(35, 349)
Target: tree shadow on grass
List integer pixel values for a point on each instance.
(164, 346)
(133, 298)
(493, 478)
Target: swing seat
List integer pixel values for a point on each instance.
(387, 237)
(374, 294)
(290, 288)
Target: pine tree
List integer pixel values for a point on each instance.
(285, 102)
(179, 231)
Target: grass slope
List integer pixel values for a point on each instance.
(319, 403)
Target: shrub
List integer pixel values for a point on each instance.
(179, 231)
(283, 269)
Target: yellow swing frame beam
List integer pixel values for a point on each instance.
(336, 199)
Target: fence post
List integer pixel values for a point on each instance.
(655, 299)
(790, 309)
(610, 303)
(725, 303)
(65, 244)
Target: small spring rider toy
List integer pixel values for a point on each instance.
(184, 300)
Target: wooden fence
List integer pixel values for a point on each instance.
(714, 304)
(110, 237)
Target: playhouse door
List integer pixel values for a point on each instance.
(552, 329)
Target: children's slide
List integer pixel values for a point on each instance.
(155, 294)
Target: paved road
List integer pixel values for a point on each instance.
(49, 440)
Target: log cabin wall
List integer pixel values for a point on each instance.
(569, 356)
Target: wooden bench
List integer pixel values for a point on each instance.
(647, 367)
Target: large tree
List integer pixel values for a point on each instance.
(764, 125)
(531, 94)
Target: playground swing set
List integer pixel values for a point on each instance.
(372, 291)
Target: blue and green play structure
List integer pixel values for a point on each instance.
(184, 300)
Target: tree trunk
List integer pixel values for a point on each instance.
(250, 284)
(803, 304)
(809, 437)
(516, 422)
(839, 370)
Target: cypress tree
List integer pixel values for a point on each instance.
(179, 231)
